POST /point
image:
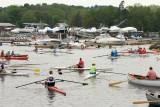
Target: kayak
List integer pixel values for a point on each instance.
(53, 88)
(153, 97)
(140, 80)
(67, 68)
(17, 58)
(15, 74)
(91, 75)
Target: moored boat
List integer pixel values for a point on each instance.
(153, 97)
(53, 88)
(140, 80)
(91, 75)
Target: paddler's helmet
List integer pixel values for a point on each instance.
(80, 59)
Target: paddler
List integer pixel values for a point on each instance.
(50, 79)
(12, 54)
(115, 53)
(151, 74)
(80, 64)
(144, 51)
(2, 53)
(112, 53)
(8, 54)
(93, 69)
(110, 46)
(2, 67)
(140, 51)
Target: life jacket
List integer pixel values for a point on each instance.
(51, 79)
(140, 51)
(144, 51)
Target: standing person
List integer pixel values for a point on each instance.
(2, 67)
(112, 53)
(2, 53)
(12, 54)
(144, 51)
(115, 53)
(50, 79)
(151, 74)
(80, 64)
(93, 69)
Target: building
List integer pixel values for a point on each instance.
(6, 26)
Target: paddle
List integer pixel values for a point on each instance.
(120, 82)
(141, 102)
(100, 56)
(73, 81)
(112, 72)
(30, 83)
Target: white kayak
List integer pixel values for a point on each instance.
(15, 74)
(91, 75)
(67, 68)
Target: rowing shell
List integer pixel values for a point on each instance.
(54, 88)
(91, 75)
(65, 68)
(15, 74)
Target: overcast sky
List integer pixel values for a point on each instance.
(85, 3)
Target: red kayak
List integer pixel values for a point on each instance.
(17, 58)
(54, 88)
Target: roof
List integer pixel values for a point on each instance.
(6, 24)
(35, 24)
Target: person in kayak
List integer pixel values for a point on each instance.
(115, 53)
(151, 74)
(2, 67)
(112, 53)
(12, 54)
(93, 69)
(80, 64)
(8, 54)
(144, 51)
(2, 53)
(50, 79)
(140, 51)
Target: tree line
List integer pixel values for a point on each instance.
(146, 18)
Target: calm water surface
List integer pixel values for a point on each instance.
(96, 94)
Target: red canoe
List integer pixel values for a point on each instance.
(54, 88)
(17, 58)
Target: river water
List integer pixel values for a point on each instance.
(96, 94)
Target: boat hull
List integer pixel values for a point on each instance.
(91, 75)
(152, 97)
(16, 58)
(152, 83)
(53, 88)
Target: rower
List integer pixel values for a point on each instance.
(151, 74)
(8, 54)
(2, 53)
(50, 79)
(110, 46)
(93, 69)
(112, 53)
(80, 64)
(36, 49)
(2, 67)
(144, 51)
(115, 53)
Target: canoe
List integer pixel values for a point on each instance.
(138, 79)
(91, 75)
(67, 68)
(15, 74)
(53, 88)
(153, 97)
(17, 58)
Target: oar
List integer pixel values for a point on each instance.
(73, 81)
(30, 83)
(141, 102)
(113, 72)
(100, 56)
(59, 70)
(120, 82)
